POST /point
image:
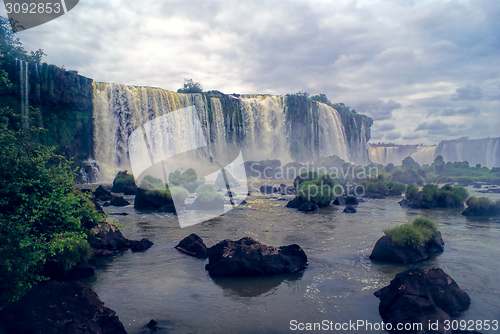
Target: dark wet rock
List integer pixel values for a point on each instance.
(386, 250)
(54, 271)
(151, 327)
(124, 183)
(108, 237)
(350, 209)
(295, 203)
(247, 257)
(422, 295)
(60, 308)
(119, 201)
(346, 200)
(140, 245)
(118, 214)
(308, 206)
(153, 200)
(283, 189)
(216, 204)
(193, 245)
(102, 194)
(105, 204)
(266, 189)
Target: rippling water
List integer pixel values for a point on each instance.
(176, 290)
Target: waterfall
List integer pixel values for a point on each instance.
(24, 84)
(265, 129)
(260, 125)
(485, 152)
(332, 139)
(425, 154)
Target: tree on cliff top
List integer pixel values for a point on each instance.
(190, 87)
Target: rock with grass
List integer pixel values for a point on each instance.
(431, 196)
(193, 245)
(207, 199)
(482, 206)
(124, 183)
(247, 257)
(422, 296)
(409, 243)
(60, 307)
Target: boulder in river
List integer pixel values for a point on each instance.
(283, 189)
(266, 189)
(193, 245)
(102, 194)
(124, 183)
(60, 307)
(107, 238)
(295, 203)
(119, 201)
(308, 207)
(154, 200)
(350, 209)
(386, 250)
(247, 257)
(419, 296)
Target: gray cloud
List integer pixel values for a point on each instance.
(435, 128)
(393, 135)
(470, 110)
(378, 109)
(468, 93)
(384, 127)
(366, 54)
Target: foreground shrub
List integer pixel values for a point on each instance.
(42, 216)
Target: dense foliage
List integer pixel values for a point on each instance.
(42, 215)
(190, 87)
(321, 191)
(413, 235)
(483, 206)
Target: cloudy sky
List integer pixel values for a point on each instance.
(423, 70)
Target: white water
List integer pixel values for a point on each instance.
(332, 139)
(119, 110)
(266, 132)
(24, 84)
(425, 155)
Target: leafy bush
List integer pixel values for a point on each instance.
(206, 193)
(178, 193)
(382, 187)
(429, 192)
(458, 193)
(42, 216)
(413, 235)
(411, 191)
(484, 206)
(150, 182)
(396, 188)
(371, 187)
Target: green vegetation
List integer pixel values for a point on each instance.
(411, 192)
(207, 193)
(123, 181)
(439, 172)
(483, 206)
(190, 87)
(178, 193)
(189, 180)
(42, 216)
(431, 195)
(319, 191)
(414, 235)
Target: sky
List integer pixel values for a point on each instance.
(425, 71)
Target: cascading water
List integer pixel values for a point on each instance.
(425, 155)
(332, 139)
(24, 84)
(261, 125)
(265, 129)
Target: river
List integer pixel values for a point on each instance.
(338, 285)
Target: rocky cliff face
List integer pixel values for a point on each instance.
(55, 99)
